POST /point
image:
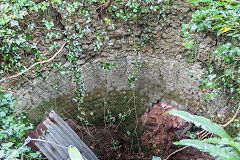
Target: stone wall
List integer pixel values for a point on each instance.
(164, 73)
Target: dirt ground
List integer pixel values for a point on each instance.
(159, 133)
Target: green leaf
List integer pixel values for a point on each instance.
(7, 145)
(14, 23)
(205, 147)
(217, 16)
(74, 153)
(194, 27)
(211, 95)
(228, 72)
(8, 95)
(156, 158)
(56, 1)
(188, 45)
(232, 1)
(238, 81)
(224, 141)
(195, 2)
(2, 153)
(202, 122)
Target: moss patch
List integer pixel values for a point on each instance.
(116, 102)
(174, 95)
(63, 106)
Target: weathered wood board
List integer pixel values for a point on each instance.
(54, 129)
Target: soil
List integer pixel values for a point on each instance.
(159, 132)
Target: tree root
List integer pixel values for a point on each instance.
(41, 62)
(103, 7)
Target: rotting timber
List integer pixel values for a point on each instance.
(53, 129)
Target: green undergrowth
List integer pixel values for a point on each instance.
(119, 111)
(119, 106)
(63, 105)
(222, 146)
(220, 18)
(13, 129)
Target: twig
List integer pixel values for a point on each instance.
(203, 134)
(41, 62)
(233, 118)
(102, 7)
(135, 109)
(85, 128)
(176, 152)
(128, 113)
(206, 133)
(199, 133)
(104, 106)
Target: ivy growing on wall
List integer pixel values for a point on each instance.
(222, 18)
(13, 129)
(19, 49)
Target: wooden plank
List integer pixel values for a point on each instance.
(75, 138)
(44, 150)
(58, 132)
